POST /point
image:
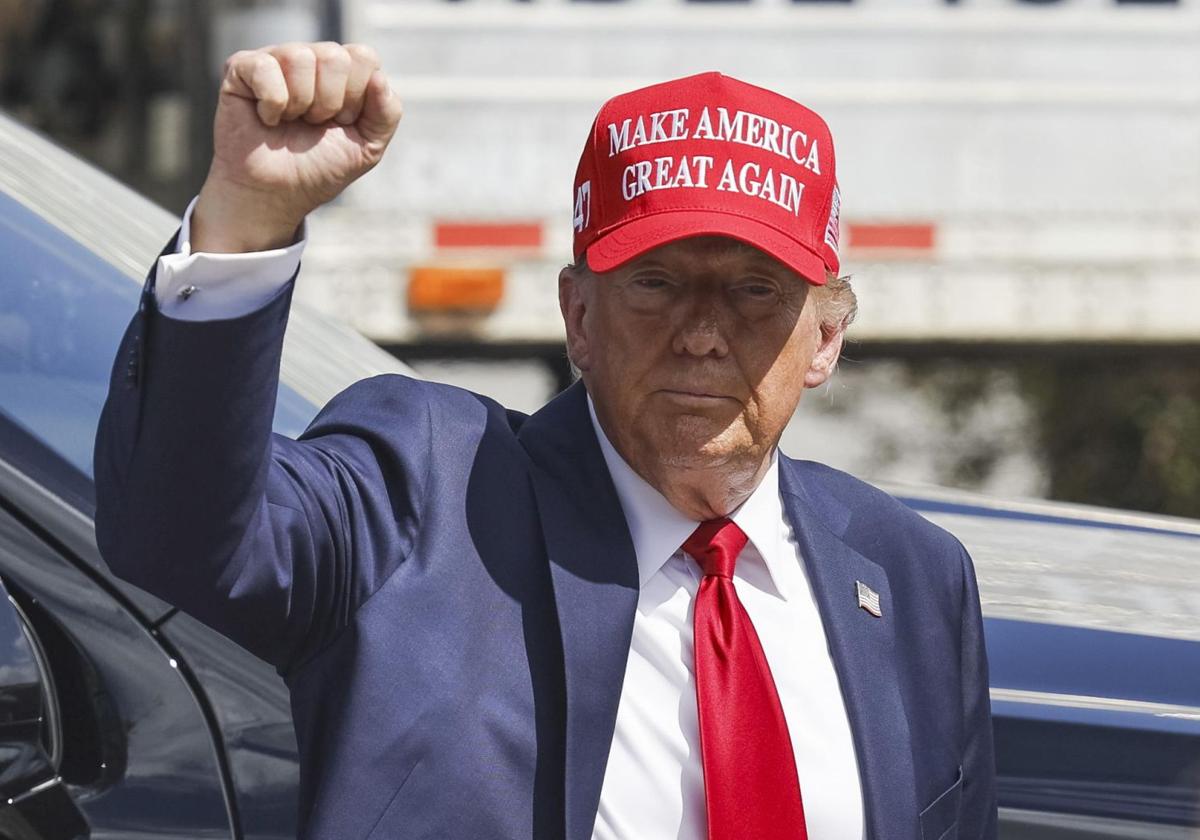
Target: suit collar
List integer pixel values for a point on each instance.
(864, 650)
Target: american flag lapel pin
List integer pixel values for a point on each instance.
(868, 599)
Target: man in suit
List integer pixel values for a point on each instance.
(626, 616)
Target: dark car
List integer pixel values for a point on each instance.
(122, 717)
(1092, 620)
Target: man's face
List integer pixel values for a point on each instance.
(696, 352)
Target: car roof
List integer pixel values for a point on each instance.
(1074, 565)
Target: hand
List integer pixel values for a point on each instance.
(295, 125)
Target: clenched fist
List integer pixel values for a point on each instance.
(295, 125)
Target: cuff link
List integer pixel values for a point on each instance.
(187, 291)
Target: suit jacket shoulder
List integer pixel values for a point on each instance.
(912, 550)
(389, 399)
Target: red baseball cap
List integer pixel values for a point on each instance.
(708, 154)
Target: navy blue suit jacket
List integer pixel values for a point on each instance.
(448, 589)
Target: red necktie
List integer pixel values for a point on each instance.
(751, 790)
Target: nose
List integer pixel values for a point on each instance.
(700, 332)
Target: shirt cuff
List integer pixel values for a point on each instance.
(207, 287)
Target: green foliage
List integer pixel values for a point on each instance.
(1114, 431)
(1122, 433)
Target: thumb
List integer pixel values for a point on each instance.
(381, 110)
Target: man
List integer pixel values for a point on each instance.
(626, 616)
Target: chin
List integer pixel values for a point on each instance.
(692, 442)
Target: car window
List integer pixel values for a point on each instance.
(63, 310)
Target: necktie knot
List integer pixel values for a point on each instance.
(715, 545)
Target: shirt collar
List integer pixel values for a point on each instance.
(658, 529)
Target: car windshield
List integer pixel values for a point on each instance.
(62, 313)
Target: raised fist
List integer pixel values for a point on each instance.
(295, 125)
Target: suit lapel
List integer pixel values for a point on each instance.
(594, 572)
(864, 655)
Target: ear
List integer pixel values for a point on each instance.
(825, 358)
(572, 302)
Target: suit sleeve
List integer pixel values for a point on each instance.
(978, 814)
(273, 542)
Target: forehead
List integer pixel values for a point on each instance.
(711, 252)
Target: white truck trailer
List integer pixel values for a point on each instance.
(1010, 171)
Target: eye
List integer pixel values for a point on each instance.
(756, 289)
(650, 282)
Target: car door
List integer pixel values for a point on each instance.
(121, 737)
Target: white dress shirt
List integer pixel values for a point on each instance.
(654, 782)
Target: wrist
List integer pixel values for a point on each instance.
(228, 219)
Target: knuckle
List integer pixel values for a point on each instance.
(275, 99)
(363, 53)
(239, 60)
(336, 58)
(297, 56)
(260, 62)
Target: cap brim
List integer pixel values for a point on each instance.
(638, 236)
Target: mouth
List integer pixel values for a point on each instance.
(695, 398)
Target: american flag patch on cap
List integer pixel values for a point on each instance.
(868, 599)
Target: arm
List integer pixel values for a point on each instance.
(271, 541)
(977, 816)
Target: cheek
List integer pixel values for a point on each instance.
(777, 390)
(628, 345)
(622, 354)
